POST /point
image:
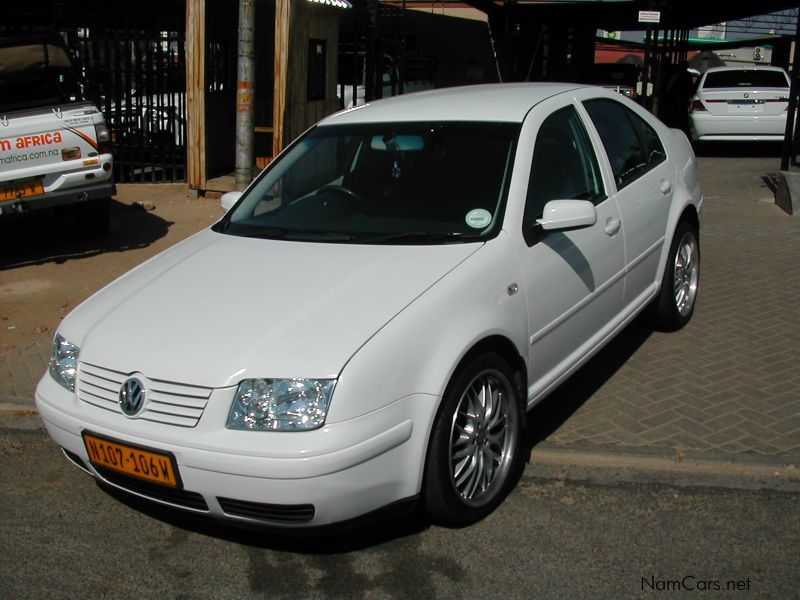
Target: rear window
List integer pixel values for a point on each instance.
(745, 78)
(34, 75)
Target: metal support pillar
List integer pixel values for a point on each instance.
(788, 151)
(370, 60)
(647, 68)
(245, 95)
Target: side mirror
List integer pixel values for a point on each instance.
(229, 199)
(567, 214)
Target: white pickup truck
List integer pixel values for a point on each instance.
(55, 148)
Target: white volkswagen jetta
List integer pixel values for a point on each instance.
(367, 326)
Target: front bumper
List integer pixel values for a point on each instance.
(300, 479)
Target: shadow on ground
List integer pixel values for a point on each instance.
(552, 412)
(51, 236)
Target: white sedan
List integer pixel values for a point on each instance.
(743, 104)
(369, 323)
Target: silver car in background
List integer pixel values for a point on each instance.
(743, 104)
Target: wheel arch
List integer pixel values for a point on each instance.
(688, 212)
(506, 349)
(691, 216)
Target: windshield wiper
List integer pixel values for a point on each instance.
(419, 237)
(283, 233)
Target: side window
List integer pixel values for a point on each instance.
(654, 150)
(633, 147)
(564, 165)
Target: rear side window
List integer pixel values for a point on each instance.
(745, 78)
(633, 147)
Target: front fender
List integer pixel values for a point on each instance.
(420, 348)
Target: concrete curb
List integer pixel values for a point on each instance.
(17, 409)
(19, 416)
(649, 465)
(787, 193)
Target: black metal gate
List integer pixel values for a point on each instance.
(133, 60)
(140, 74)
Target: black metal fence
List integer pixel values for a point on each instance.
(140, 79)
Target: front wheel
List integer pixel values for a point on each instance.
(681, 282)
(475, 449)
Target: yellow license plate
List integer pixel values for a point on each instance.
(149, 465)
(20, 189)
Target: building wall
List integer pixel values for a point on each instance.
(319, 22)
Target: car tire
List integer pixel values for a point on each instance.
(681, 282)
(474, 455)
(93, 217)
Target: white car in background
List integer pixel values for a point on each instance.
(740, 104)
(369, 323)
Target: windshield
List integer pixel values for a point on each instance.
(383, 183)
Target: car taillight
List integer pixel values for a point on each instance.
(698, 106)
(104, 144)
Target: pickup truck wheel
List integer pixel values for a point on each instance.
(681, 281)
(474, 453)
(93, 217)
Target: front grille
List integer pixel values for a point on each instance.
(288, 513)
(154, 491)
(167, 402)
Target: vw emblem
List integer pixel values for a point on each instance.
(131, 396)
(747, 95)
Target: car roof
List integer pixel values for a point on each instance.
(501, 103)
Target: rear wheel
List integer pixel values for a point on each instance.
(474, 454)
(681, 282)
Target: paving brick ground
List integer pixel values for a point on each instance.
(728, 383)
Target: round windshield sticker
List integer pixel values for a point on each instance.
(479, 218)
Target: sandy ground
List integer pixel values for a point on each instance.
(36, 292)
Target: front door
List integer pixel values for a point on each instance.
(574, 279)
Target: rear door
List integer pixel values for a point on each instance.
(644, 182)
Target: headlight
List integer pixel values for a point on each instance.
(64, 362)
(281, 404)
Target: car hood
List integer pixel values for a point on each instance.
(216, 309)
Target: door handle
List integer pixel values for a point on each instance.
(612, 226)
(665, 187)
